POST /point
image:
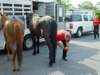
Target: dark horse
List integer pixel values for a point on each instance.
(14, 35)
(46, 27)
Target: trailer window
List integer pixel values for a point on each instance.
(17, 5)
(27, 6)
(76, 18)
(6, 4)
(35, 5)
(17, 9)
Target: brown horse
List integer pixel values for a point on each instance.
(46, 27)
(14, 35)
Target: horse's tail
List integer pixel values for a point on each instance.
(19, 54)
(19, 31)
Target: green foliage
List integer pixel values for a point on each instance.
(98, 13)
(66, 3)
(86, 5)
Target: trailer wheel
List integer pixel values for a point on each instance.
(28, 43)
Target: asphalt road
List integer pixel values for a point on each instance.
(83, 59)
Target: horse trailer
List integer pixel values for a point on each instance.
(13, 8)
(19, 8)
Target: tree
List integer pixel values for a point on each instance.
(66, 4)
(97, 11)
(87, 5)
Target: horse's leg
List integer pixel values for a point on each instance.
(38, 45)
(54, 43)
(53, 33)
(50, 46)
(34, 42)
(54, 46)
(19, 55)
(14, 60)
(9, 51)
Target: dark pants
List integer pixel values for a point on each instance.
(64, 51)
(96, 31)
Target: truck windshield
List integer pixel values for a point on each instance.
(76, 18)
(73, 18)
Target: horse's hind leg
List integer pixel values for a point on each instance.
(9, 51)
(37, 44)
(54, 44)
(53, 51)
(19, 56)
(34, 41)
(50, 46)
(14, 60)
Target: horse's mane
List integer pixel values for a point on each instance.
(28, 18)
(32, 20)
(45, 18)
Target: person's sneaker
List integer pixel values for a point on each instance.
(65, 59)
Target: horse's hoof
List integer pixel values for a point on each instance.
(38, 52)
(14, 70)
(50, 64)
(54, 62)
(34, 54)
(18, 69)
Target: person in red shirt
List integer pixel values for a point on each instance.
(63, 37)
(96, 23)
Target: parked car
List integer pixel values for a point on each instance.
(79, 23)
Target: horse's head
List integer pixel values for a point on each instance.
(31, 19)
(28, 19)
(3, 19)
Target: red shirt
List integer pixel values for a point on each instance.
(96, 22)
(61, 35)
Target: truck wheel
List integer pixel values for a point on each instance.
(28, 43)
(79, 32)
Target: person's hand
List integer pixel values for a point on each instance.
(65, 48)
(60, 44)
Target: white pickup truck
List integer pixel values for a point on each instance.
(79, 22)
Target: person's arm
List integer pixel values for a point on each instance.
(65, 45)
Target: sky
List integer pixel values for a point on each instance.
(76, 2)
